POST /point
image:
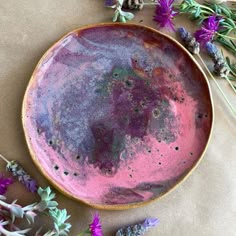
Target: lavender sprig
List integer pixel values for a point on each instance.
(46, 205)
(17, 170)
(220, 66)
(189, 41)
(138, 229)
(201, 12)
(133, 4)
(181, 30)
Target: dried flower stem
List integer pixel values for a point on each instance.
(150, 3)
(3, 158)
(230, 83)
(218, 86)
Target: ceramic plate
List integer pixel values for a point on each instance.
(116, 115)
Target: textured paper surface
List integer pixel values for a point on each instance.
(202, 205)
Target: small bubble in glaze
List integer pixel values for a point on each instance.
(56, 167)
(156, 113)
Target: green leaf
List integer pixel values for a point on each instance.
(226, 25)
(59, 217)
(16, 211)
(115, 17)
(232, 78)
(120, 2)
(30, 217)
(198, 11)
(46, 194)
(231, 22)
(224, 31)
(29, 207)
(127, 15)
(232, 67)
(229, 44)
(122, 19)
(52, 204)
(226, 12)
(183, 6)
(42, 206)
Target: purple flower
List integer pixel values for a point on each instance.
(208, 30)
(212, 49)
(164, 14)
(109, 3)
(31, 185)
(95, 227)
(4, 182)
(150, 222)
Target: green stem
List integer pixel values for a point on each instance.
(225, 36)
(6, 205)
(80, 234)
(87, 231)
(230, 83)
(232, 78)
(156, 3)
(232, 72)
(206, 13)
(230, 30)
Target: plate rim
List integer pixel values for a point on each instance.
(116, 206)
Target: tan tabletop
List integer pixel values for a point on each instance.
(205, 204)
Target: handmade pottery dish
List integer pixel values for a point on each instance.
(116, 115)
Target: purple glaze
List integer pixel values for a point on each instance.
(117, 114)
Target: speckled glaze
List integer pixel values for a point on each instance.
(116, 115)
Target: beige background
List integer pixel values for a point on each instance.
(205, 204)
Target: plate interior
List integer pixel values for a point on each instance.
(116, 114)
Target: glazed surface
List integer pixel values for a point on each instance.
(117, 114)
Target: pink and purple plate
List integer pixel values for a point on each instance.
(116, 115)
